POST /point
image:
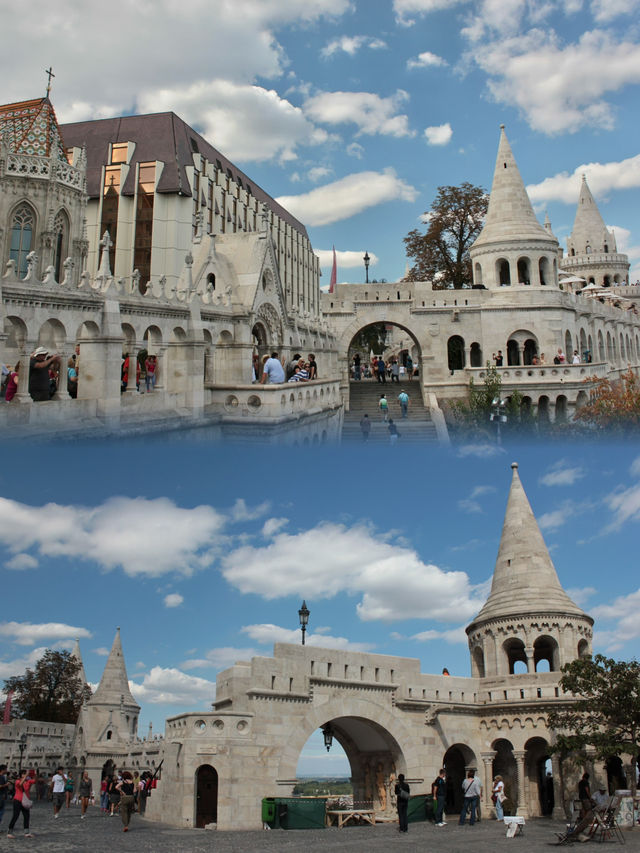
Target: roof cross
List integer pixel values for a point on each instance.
(50, 74)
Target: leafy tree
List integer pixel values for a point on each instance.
(613, 405)
(454, 221)
(606, 711)
(52, 692)
(371, 338)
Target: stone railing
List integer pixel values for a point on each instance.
(273, 401)
(541, 374)
(31, 166)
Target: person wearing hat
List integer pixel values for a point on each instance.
(39, 364)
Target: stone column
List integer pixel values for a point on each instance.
(521, 354)
(161, 368)
(22, 394)
(487, 759)
(559, 812)
(531, 666)
(523, 809)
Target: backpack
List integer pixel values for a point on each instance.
(403, 794)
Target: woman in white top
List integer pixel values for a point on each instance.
(498, 796)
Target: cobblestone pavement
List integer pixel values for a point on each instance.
(101, 833)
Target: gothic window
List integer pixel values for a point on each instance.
(60, 242)
(22, 227)
(144, 222)
(455, 353)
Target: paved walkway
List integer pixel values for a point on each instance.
(101, 833)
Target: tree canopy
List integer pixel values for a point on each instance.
(454, 221)
(52, 692)
(613, 405)
(606, 711)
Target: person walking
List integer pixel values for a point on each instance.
(403, 792)
(472, 790)
(365, 427)
(127, 800)
(498, 796)
(383, 405)
(403, 398)
(21, 804)
(84, 793)
(393, 432)
(439, 790)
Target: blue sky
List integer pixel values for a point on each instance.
(353, 112)
(203, 553)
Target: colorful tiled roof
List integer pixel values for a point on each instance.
(31, 127)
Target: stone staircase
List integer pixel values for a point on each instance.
(364, 395)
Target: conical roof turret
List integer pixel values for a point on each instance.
(589, 229)
(75, 653)
(114, 684)
(525, 580)
(510, 215)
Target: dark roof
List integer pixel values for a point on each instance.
(160, 136)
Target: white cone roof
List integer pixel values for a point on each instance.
(114, 684)
(589, 228)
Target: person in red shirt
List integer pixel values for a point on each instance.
(23, 785)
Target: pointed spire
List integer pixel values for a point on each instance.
(75, 653)
(589, 229)
(525, 579)
(510, 214)
(114, 684)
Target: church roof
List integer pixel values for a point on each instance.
(510, 214)
(114, 684)
(164, 137)
(31, 127)
(524, 579)
(589, 228)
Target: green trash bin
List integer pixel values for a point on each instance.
(269, 811)
(417, 810)
(301, 812)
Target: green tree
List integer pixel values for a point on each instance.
(52, 692)
(454, 221)
(605, 713)
(614, 405)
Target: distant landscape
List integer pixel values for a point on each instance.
(314, 787)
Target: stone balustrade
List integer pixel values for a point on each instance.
(543, 374)
(45, 168)
(272, 401)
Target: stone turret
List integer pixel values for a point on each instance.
(111, 715)
(592, 252)
(76, 653)
(528, 617)
(512, 248)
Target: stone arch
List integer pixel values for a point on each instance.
(561, 408)
(543, 270)
(543, 409)
(269, 319)
(222, 359)
(477, 273)
(582, 399)
(584, 650)
(129, 334)
(568, 346)
(206, 796)
(584, 346)
(545, 648)
(475, 354)
(622, 349)
(504, 764)
(455, 353)
(530, 350)
(17, 334)
(60, 237)
(610, 350)
(524, 270)
(22, 227)
(53, 335)
(457, 761)
(477, 662)
(540, 787)
(513, 353)
(514, 653)
(503, 272)
(87, 331)
(152, 338)
(601, 350)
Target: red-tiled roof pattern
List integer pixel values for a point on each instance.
(159, 136)
(31, 127)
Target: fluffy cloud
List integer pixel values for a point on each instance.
(347, 259)
(220, 658)
(371, 113)
(28, 634)
(482, 451)
(17, 666)
(21, 562)
(174, 599)
(170, 686)
(562, 475)
(407, 10)
(454, 636)
(426, 60)
(270, 634)
(351, 45)
(241, 512)
(348, 197)
(143, 537)
(601, 177)
(625, 506)
(438, 135)
(332, 559)
(471, 503)
(272, 526)
(607, 10)
(623, 614)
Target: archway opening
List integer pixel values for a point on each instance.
(455, 353)
(457, 762)
(516, 656)
(539, 775)
(546, 649)
(504, 764)
(206, 795)
(393, 343)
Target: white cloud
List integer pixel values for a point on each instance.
(220, 658)
(331, 559)
(345, 259)
(21, 562)
(18, 666)
(453, 636)
(607, 10)
(174, 599)
(241, 512)
(426, 60)
(561, 475)
(351, 45)
(471, 503)
(28, 634)
(348, 197)
(143, 537)
(356, 150)
(581, 595)
(270, 634)
(635, 467)
(438, 135)
(318, 172)
(482, 451)
(371, 113)
(170, 686)
(102, 651)
(602, 178)
(273, 525)
(623, 613)
(557, 518)
(407, 10)
(625, 505)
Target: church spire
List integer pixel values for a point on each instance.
(589, 234)
(114, 684)
(75, 653)
(525, 579)
(510, 214)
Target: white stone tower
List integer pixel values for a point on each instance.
(513, 249)
(592, 252)
(528, 617)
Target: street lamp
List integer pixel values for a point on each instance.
(366, 260)
(327, 734)
(498, 416)
(303, 614)
(22, 746)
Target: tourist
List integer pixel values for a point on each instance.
(304, 371)
(472, 791)
(409, 366)
(68, 790)
(542, 359)
(498, 796)
(297, 375)
(4, 788)
(576, 357)
(381, 371)
(534, 360)
(272, 371)
(383, 405)
(601, 799)
(312, 367)
(395, 371)
(136, 788)
(291, 366)
(39, 364)
(439, 793)
(499, 359)
(85, 789)
(114, 795)
(403, 792)
(365, 427)
(57, 790)
(127, 802)
(104, 794)
(21, 803)
(144, 791)
(150, 366)
(584, 795)
(72, 378)
(356, 366)
(403, 397)
(393, 431)
(12, 383)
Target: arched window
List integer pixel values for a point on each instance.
(22, 228)
(60, 242)
(524, 271)
(475, 355)
(455, 352)
(503, 272)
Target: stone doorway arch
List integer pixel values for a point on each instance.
(540, 785)
(206, 804)
(457, 762)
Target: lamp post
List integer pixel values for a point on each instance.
(303, 614)
(327, 734)
(498, 416)
(22, 746)
(366, 260)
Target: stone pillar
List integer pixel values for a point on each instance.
(531, 666)
(523, 808)
(521, 355)
(161, 368)
(559, 812)
(487, 759)
(22, 394)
